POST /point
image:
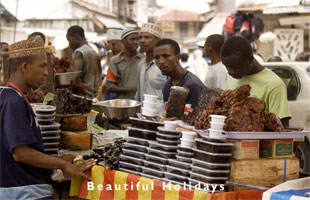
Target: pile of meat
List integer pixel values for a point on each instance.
(68, 103)
(62, 65)
(109, 155)
(35, 96)
(243, 113)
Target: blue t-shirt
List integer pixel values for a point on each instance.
(18, 127)
(190, 81)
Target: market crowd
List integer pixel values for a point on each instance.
(138, 62)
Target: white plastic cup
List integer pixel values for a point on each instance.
(148, 112)
(149, 105)
(170, 125)
(150, 98)
(216, 134)
(217, 126)
(187, 135)
(218, 119)
(186, 143)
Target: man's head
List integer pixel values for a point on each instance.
(150, 34)
(34, 34)
(114, 40)
(167, 55)
(130, 39)
(75, 37)
(237, 56)
(4, 47)
(274, 59)
(213, 45)
(28, 62)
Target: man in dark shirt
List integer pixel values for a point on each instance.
(24, 167)
(167, 57)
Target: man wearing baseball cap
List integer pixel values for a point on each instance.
(122, 74)
(151, 81)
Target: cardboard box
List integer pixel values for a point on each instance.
(245, 149)
(75, 140)
(266, 172)
(276, 148)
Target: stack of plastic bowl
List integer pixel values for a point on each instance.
(45, 116)
(149, 105)
(216, 129)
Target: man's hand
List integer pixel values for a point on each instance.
(132, 89)
(79, 169)
(67, 157)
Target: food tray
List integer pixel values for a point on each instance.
(179, 164)
(150, 176)
(185, 149)
(175, 177)
(162, 154)
(210, 173)
(139, 141)
(164, 131)
(185, 154)
(213, 146)
(135, 147)
(168, 137)
(132, 153)
(162, 147)
(49, 116)
(50, 139)
(266, 135)
(163, 161)
(130, 166)
(145, 124)
(154, 165)
(141, 133)
(153, 172)
(51, 150)
(168, 142)
(129, 171)
(51, 145)
(178, 171)
(212, 157)
(211, 166)
(130, 159)
(54, 126)
(183, 159)
(50, 133)
(207, 179)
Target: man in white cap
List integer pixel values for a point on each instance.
(114, 43)
(151, 81)
(123, 72)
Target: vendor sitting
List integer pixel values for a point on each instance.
(242, 67)
(167, 57)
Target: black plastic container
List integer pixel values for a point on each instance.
(179, 164)
(178, 171)
(213, 146)
(130, 159)
(187, 150)
(134, 140)
(160, 160)
(141, 133)
(135, 147)
(212, 157)
(155, 166)
(153, 172)
(145, 124)
(162, 154)
(211, 166)
(176, 177)
(133, 153)
(162, 147)
(164, 131)
(210, 173)
(130, 166)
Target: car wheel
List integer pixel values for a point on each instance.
(302, 152)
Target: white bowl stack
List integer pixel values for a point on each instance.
(217, 124)
(149, 105)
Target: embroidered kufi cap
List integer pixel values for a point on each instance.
(114, 34)
(127, 32)
(152, 29)
(32, 46)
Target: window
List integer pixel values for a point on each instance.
(290, 79)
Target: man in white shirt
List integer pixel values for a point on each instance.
(217, 73)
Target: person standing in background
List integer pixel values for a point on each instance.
(122, 76)
(151, 81)
(199, 65)
(85, 59)
(217, 73)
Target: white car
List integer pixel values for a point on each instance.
(296, 76)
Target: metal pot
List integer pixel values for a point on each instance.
(119, 109)
(66, 79)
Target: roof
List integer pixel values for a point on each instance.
(214, 26)
(93, 8)
(287, 9)
(6, 14)
(110, 22)
(253, 8)
(182, 16)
